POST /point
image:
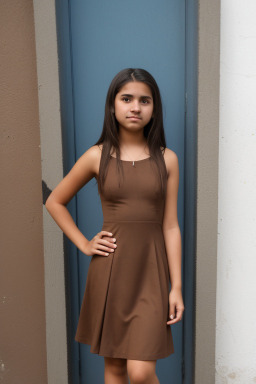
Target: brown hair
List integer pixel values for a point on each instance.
(153, 131)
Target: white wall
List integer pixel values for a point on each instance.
(236, 266)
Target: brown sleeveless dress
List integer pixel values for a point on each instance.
(126, 300)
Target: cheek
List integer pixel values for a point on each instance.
(119, 109)
(119, 113)
(150, 113)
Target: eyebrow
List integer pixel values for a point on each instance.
(143, 97)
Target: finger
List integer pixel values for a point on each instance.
(107, 243)
(105, 233)
(101, 253)
(108, 240)
(105, 247)
(177, 318)
(179, 313)
(170, 322)
(172, 311)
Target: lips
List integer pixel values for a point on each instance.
(134, 117)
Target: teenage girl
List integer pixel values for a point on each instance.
(129, 266)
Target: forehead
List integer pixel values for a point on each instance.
(136, 88)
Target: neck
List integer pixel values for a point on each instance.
(129, 139)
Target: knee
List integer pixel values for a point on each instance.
(140, 375)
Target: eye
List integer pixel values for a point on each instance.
(145, 101)
(125, 98)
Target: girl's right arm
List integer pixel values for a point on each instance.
(82, 172)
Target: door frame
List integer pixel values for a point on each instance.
(201, 171)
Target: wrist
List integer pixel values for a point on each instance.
(176, 287)
(84, 246)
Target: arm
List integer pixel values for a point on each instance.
(172, 236)
(82, 172)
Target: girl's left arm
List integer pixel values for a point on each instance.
(172, 236)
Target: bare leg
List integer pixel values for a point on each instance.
(142, 372)
(115, 371)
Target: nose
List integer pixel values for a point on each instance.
(135, 107)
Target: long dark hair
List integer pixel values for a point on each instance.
(153, 131)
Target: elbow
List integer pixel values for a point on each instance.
(48, 203)
(51, 203)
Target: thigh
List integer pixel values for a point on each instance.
(116, 364)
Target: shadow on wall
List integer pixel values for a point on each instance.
(46, 191)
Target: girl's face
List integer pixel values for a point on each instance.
(134, 105)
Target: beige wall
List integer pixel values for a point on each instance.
(23, 338)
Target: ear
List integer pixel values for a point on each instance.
(112, 110)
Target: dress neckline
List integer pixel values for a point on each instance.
(131, 161)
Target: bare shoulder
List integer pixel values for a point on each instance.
(94, 152)
(85, 168)
(171, 160)
(91, 158)
(88, 163)
(100, 146)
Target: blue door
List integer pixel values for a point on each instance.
(97, 39)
